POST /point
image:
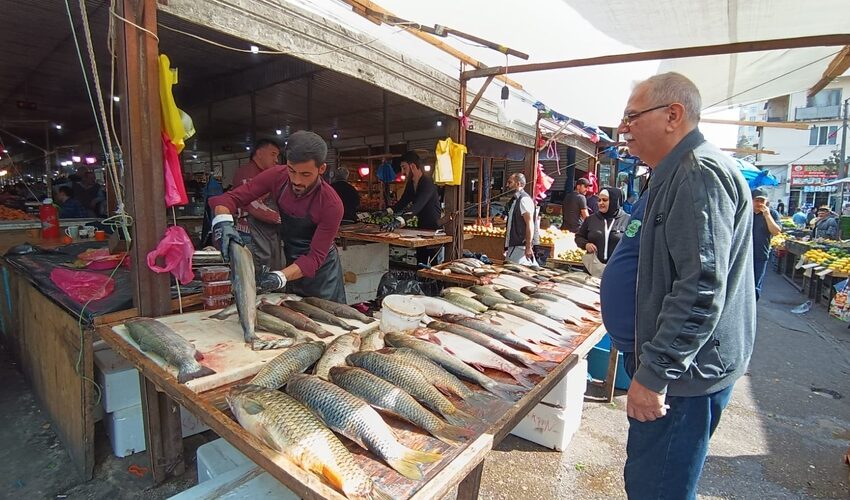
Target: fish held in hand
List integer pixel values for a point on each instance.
(244, 288)
(287, 426)
(296, 359)
(154, 336)
(336, 352)
(355, 419)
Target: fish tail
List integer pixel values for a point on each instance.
(480, 397)
(508, 392)
(452, 434)
(535, 368)
(323, 334)
(186, 374)
(523, 379)
(376, 494)
(547, 366)
(369, 319)
(408, 465)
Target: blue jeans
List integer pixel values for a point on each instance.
(759, 269)
(665, 457)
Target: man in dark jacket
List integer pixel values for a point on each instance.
(420, 198)
(695, 320)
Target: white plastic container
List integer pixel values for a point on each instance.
(126, 429)
(400, 313)
(248, 481)
(218, 457)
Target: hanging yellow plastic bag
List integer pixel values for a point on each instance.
(172, 117)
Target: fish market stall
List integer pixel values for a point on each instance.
(408, 238)
(476, 413)
(490, 241)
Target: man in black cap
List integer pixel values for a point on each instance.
(765, 225)
(575, 207)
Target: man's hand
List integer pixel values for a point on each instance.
(643, 404)
(590, 248)
(529, 252)
(224, 232)
(271, 281)
(394, 224)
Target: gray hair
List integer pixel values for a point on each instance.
(520, 179)
(342, 173)
(668, 88)
(305, 146)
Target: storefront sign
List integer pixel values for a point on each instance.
(812, 175)
(820, 189)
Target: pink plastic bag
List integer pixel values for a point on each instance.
(176, 249)
(175, 191)
(82, 286)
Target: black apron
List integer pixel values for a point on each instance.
(296, 234)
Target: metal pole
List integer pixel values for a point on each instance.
(842, 161)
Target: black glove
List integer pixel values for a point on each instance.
(224, 232)
(394, 224)
(270, 282)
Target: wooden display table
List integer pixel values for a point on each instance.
(408, 238)
(460, 466)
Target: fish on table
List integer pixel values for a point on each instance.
(581, 296)
(341, 310)
(392, 399)
(296, 319)
(154, 336)
(411, 380)
(492, 301)
(465, 302)
(268, 298)
(526, 330)
(317, 314)
(435, 306)
(454, 365)
(336, 352)
(556, 327)
(437, 375)
(296, 359)
(477, 355)
(550, 310)
(277, 326)
(487, 290)
(458, 290)
(244, 288)
(493, 345)
(290, 428)
(498, 332)
(567, 305)
(513, 295)
(372, 341)
(355, 419)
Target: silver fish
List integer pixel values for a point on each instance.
(341, 310)
(287, 426)
(317, 314)
(497, 332)
(435, 306)
(296, 359)
(465, 302)
(513, 295)
(457, 290)
(525, 329)
(443, 380)
(244, 288)
(336, 353)
(485, 290)
(153, 336)
(267, 298)
(491, 301)
(567, 305)
(273, 324)
(549, 309)
(557, 327)
(454, 365)
(478, 356)
(387, 397)
(355, 419)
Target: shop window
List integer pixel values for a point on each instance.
(821, 136)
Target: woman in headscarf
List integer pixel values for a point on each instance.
(600, 233)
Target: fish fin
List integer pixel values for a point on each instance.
(266, 437)
(465, 416)
(222, 315)
(546, 366)
(323, 334)
(523, 379)
(184, 376)
(452, 434)
(376, 494)
(536, 368)
(456, 418)
(406, 468)
(480, 397)
(506, 391)
(198, 354)
(476, 366)
(332, 477)
(253, 407)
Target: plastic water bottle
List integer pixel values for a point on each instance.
(49, 216)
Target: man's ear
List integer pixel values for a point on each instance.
(675, 116)
(322, 168)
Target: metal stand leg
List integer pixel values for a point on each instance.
(608, 388)
(163, 433)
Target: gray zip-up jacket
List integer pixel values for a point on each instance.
(696, 314)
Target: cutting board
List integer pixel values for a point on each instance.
(223, 347)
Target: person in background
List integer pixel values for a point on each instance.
(258, 222)
(629, 203)
(420, 198)
(695, 317)
(347, 193)
(310, 212)
(592, 201)
(825, 226)
(601, 232)
(765, 225)
(780, 207)
(69, 207)
(810, 216)
(799, 218)
(575, 207)
(87, 191)
(522, 233)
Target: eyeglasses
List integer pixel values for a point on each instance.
(628, 118)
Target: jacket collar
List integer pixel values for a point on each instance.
(667, 165)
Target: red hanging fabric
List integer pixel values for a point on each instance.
(544, 182)
(175, 191)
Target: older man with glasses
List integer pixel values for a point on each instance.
(694, 290)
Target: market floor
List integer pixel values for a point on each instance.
(782, 437)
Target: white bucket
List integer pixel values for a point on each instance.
(400, 313)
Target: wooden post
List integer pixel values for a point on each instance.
(480, 188)
(454, 194)
(469, 487)
(140, 130)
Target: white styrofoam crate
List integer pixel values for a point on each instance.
(571, 388)
(217, 457)
(553, 424)
(364, 258)
(126, 429)
(118, 380)
(364, 288)
(247, 481)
